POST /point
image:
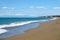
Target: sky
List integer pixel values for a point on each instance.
(29, 8)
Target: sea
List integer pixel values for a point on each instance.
(14, 26)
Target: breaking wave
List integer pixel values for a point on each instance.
(19, 24)
(16, 24)
(3, 31)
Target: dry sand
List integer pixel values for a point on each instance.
(47, 31)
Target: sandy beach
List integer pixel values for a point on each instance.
(46, 31)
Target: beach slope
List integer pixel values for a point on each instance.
(46, 31)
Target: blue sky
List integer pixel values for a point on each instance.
(29, 8)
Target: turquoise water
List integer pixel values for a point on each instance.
(11, 20)
(15, 26)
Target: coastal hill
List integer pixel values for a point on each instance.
(50, 16)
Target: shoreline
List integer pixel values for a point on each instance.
(46, 31)
(16, 30)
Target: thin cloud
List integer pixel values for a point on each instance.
(40, 7)
(56, 8)
(31, 7)
(19, 15)
(7, 14)
(37, 7)
(5, 7)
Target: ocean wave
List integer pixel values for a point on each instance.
(16, 24)
(3, 31)
(19, 24)
(53, 18)
(23, 23)
(13, 25)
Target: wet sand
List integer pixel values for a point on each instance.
(46, 31)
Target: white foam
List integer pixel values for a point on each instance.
(22, 23)
(53, 19)
(19, 24)
(2, 31)
(16, 24)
